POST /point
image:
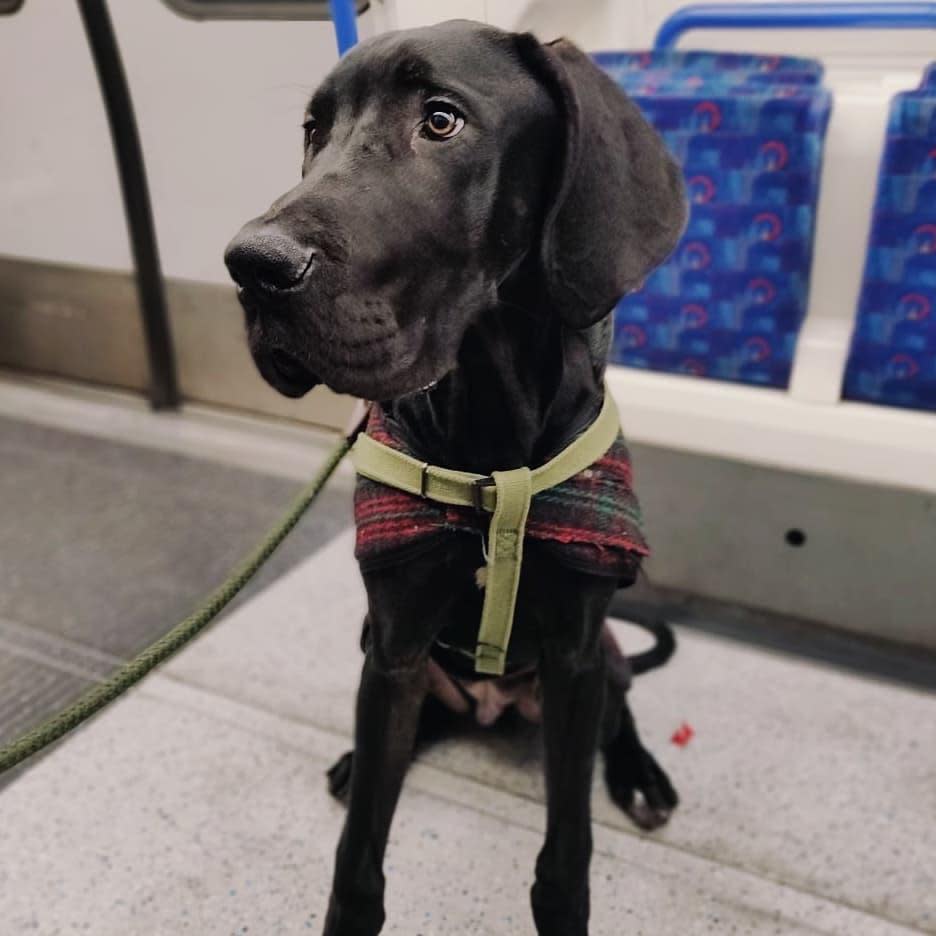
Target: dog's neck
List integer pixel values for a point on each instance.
(523, 388)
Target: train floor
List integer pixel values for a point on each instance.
(197, 803)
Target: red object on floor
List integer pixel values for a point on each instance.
(683, 735)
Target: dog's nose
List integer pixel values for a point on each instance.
(267, 260)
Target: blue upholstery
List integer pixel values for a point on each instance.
(748, 130)
(893, 352)
(929, 77)
(726, 66)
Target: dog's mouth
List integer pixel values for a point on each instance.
(294, 361)
(289, 375)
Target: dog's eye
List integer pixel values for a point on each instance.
(442, 121)
(308, 126)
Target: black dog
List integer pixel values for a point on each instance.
(472, 206)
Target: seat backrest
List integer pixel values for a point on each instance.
(893, 352)
(749, 133)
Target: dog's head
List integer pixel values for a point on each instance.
(436, 162)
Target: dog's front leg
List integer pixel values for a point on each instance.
(573, 693)
(388, 705)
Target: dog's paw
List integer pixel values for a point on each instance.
(339, 776)
(640, 787)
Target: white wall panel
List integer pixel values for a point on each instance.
(219, 106)
(59, 197)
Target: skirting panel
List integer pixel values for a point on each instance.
(84, 324)
(849, 556)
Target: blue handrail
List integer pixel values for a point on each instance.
(795, 16)
(344, 16)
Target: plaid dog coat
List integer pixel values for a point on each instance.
(591, 523)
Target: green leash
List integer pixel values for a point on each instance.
(134, 670)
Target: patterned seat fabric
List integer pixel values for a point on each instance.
(893, 351)
(749, 131)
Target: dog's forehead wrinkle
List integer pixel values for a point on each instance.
(321, 98)
(473, 61)
(412, 69)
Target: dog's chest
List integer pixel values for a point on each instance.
(591, 522)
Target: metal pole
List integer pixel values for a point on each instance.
(163, 383)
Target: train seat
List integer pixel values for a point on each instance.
(892, 360)
(749, 131)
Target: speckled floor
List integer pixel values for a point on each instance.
(197, 803)
(103, 542)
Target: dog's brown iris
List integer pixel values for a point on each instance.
(443, 124)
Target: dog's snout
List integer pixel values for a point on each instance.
(268, 261)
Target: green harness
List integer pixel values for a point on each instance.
(504, 494)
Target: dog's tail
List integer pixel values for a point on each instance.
(660, 652)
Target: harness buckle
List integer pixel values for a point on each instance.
(477, 490)
(423, 479)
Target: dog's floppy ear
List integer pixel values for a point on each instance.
(618, 206)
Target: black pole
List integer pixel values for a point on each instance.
(163, 385)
